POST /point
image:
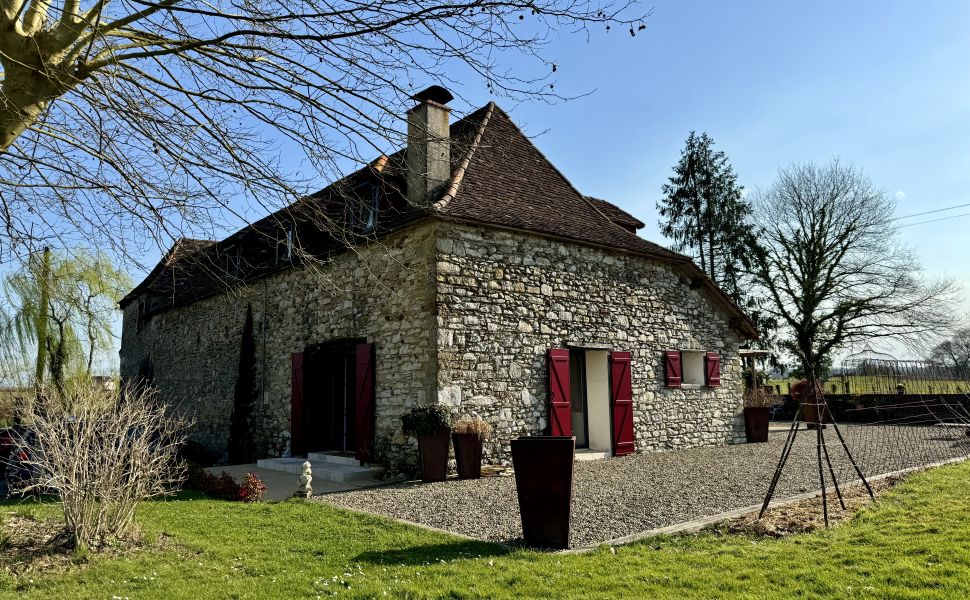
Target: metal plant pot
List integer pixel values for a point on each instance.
(756, 423)
(468, 455)
(434, 456)
(544, 482)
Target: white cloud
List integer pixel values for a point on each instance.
(900, 195)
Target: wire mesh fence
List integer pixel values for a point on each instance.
(890, 416)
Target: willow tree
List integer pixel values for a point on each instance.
(146, 120)
(61, 309)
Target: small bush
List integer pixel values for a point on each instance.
(221, 486)
(426, 420)
(102, 453)
(252, 488)
(475, 426)
(758, 398)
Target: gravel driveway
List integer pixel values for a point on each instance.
(621, 496)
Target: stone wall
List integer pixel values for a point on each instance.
(382, 292)
(458, 313)
(505, 298)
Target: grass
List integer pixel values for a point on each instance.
(868, 384)
(914, 544)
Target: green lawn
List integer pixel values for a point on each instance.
(868, 384)
(914, 544)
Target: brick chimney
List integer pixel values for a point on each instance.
(428, 156)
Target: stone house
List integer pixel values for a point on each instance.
(467, 270)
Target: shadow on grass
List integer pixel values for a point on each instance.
(433, 553)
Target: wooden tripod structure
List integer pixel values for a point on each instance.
(813, 397)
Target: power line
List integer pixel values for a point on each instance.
(936, 220)
(929, 212)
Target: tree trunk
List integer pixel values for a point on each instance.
(29, 86)
(22, 102)
(41, 324)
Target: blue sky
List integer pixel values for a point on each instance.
(885, 86)
(882, 85)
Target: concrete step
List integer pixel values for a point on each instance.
(323, 471)
(587, 454)
(337, 458)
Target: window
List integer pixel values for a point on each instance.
(362, 208)
(141, 315)
(692, 367)
(693, 362)
(284, 247)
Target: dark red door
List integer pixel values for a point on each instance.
(560, 415)
(621, 403)
(364, 405)
(297, 423)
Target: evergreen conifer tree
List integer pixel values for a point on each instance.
(706, 216)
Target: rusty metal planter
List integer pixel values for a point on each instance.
(544, 482)
(756, 423)
(434, 456)
(468, 455)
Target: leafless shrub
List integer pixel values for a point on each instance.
(102, 453)
(758, 398)
(475, 426)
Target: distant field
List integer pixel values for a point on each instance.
(867, 384)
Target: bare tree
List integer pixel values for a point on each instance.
(954, 352)
(834, 269)
(102, 454)
(146, 120)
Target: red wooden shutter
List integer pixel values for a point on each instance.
(560, 412)
(712, 369)
(365, 403)
(672, 368)
(621, 399)
(296, 404)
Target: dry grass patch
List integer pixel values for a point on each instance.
(30, 545)
(805, 516)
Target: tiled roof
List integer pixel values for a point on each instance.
(164, 277)
(508, 182)
(616, 214)
(499, 178)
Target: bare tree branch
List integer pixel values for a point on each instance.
(833, 267)
(127, 124)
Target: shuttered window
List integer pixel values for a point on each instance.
(712, 369)
(621, 403)
(692, 367)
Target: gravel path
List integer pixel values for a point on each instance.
(621, 496)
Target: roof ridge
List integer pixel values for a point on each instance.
(459, 173)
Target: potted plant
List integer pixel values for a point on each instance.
(430, 425)
(468, 435)
(544, 484)
(757, 409)
(802, 394)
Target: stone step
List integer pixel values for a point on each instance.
(323, 471)
(337, 458)
(587, 454)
